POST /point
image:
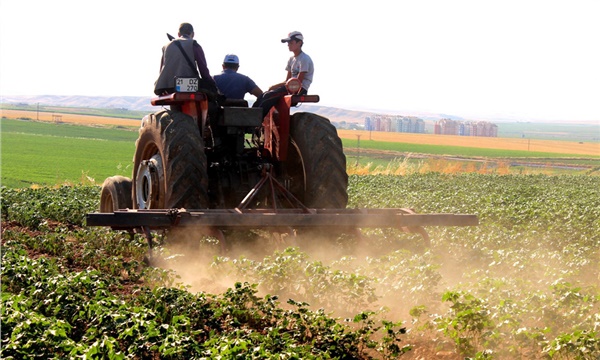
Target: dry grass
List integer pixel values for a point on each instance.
(69, 118)
(550, 146)
(440, 165)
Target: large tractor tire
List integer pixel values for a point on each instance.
(169, 163)
(116, 194)
(316, 162)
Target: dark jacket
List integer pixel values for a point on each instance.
(174, 64)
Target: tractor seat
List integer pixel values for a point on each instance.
(235, 102)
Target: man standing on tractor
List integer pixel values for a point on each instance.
(233, 84)
(183, 57)
(299, 66)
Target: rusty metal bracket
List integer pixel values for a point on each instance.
(275, 187)
(415, 229)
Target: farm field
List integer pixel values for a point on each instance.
(524, 145)
(524, 284)
(38, 153)
(46, 153)
(528, 145)
(69, 118)
(560, 131)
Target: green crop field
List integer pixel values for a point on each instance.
(524, 284)
(38, 153)
(550, 131)
(48, 154)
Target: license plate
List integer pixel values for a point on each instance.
(186, 84)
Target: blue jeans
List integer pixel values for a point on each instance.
(270, 98)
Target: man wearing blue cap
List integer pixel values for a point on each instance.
(233, 84)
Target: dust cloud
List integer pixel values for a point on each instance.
(327, 270)
(392, 273)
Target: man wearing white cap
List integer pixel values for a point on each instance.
(233, 84)
(299, 66)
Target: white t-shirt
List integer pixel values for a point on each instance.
(301, 63)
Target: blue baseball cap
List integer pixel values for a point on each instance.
(231, 59)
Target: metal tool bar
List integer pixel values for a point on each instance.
(236, 218)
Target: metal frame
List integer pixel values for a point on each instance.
(279, 217)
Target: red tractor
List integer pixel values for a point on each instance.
(188, 158)
(223, 166)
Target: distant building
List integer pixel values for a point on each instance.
(465, 128)
(395, 123)
(446, 127)
(368, 123)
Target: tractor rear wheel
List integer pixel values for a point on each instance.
(316, 163)
(170, 169)
(116, 194)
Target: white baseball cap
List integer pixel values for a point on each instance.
(294, 35)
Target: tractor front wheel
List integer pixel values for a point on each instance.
(116, 194)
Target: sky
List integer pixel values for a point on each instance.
(519, 59)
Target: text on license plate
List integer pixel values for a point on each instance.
(186, 84)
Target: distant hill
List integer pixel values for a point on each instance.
(342, 118)
(96, 102)
(141, 103)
